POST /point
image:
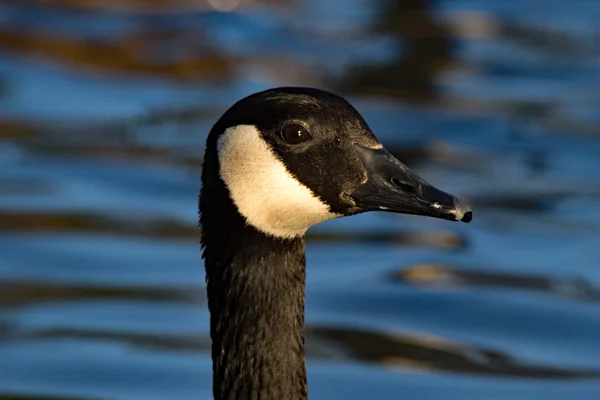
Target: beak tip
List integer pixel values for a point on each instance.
(467, 217)
(462, 211)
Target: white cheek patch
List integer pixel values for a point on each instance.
(261, 187)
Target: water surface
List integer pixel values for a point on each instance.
(104, 110)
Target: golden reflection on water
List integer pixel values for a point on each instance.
(147, 6)
(442, 276)
(125, 55)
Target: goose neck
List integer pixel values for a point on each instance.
(255, 287)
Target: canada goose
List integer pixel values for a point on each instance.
(276, 163)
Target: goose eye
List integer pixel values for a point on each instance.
(295, 134)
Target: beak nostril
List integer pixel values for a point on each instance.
(408, 188)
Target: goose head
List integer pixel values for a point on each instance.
(291, 158)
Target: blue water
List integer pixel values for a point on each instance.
(104, 110)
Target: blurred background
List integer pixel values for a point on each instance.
(104, 109)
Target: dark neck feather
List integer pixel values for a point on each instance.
(255, 287)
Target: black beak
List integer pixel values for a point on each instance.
(392, 186)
